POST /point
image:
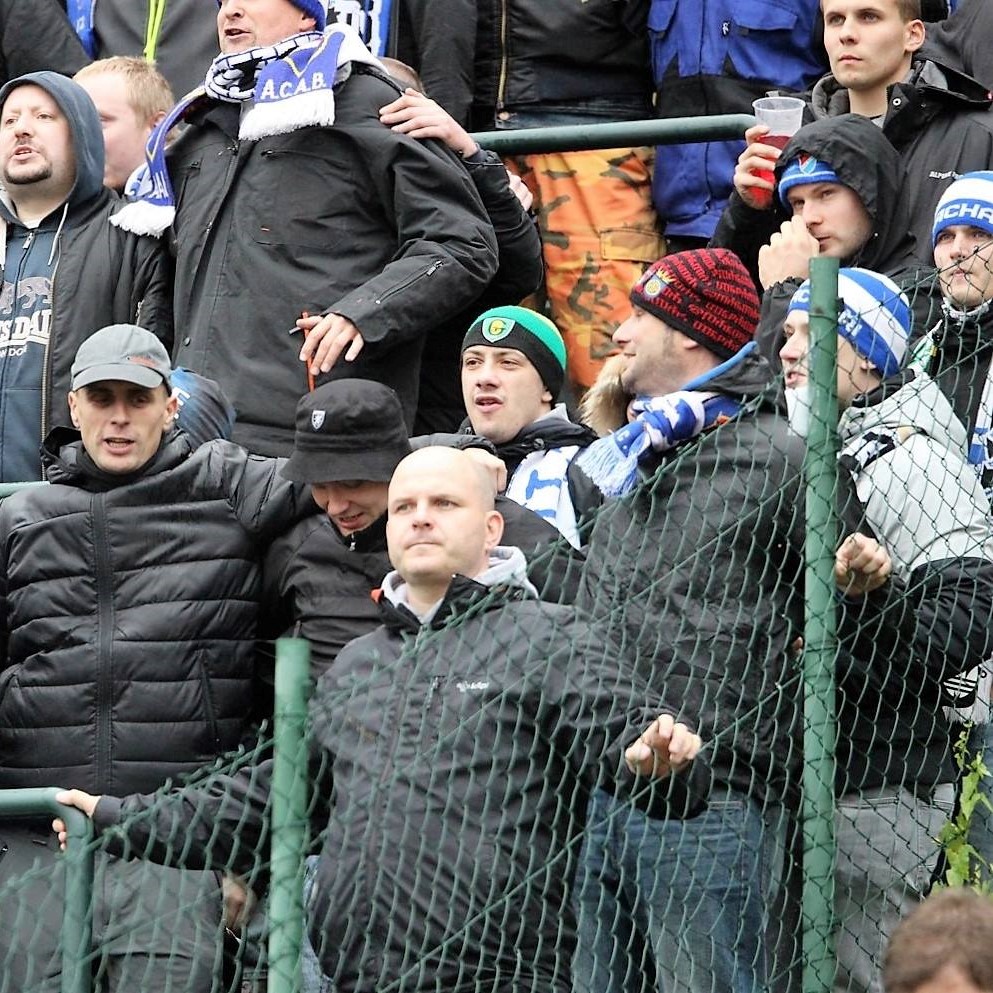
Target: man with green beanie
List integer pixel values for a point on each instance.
(513, 369)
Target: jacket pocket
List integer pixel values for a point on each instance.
(760, 38)
(663, 41)
(299, 201)
(212, 743)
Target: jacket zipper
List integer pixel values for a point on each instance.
(105, 644)
(410, 280)
(208, 704)
(502, 82)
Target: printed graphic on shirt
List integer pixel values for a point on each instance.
(25, 315)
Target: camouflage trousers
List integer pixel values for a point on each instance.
(599, 232)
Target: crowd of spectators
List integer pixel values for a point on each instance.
(517, 445)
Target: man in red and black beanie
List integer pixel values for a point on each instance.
(694, 575)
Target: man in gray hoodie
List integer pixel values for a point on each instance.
(65, 271)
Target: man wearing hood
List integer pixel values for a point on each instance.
(460, 738)
(936, 118)
(915, 591)
(696, 573)
(838, 182)
(128, 650)
(66, 271)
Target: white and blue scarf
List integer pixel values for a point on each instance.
(290, 85)
(661, 424)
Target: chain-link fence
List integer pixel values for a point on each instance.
(466, 820)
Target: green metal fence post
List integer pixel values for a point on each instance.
(77, 943)
(289, 815)
(623, 134)
(819, 633)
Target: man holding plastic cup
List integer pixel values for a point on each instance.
(935, 117)
(777, 120)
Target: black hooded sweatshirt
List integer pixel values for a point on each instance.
(864, 160)
(68, 276)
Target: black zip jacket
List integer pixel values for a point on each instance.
(457, 757)
(128, 613)
(383, 229)
(697, 575)
(478, 57)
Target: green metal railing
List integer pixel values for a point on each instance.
(290, 796)
(821, 468)
(582, 137)
(77, 909)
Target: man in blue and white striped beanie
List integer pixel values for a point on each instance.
(962, 238)
(874, 324)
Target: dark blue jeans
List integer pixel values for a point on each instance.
(693, 896)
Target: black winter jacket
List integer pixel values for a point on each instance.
(383, 229)
(36, 34)
(320, 584)
(697, 576)
(457, 757)
(128, 612)
(478, 57)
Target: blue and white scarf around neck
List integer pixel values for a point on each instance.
(290, 85)
(661, 424)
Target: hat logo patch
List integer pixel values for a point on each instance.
(807, 164)
(656, 283)
(142, 360)
(317, 419)
(497, 328)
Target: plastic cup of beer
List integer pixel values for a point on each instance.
(783, 116)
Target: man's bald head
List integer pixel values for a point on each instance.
(441, 520)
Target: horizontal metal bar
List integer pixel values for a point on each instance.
(9, 489)
(619, 134)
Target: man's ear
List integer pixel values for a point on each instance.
(494, 529)
(72, 409)
(914, 35)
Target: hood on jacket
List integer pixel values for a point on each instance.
(910, 399)
(84, 127)
(749, 379)
(507, 567)
(939, 85)
(864, 160)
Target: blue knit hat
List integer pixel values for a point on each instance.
(317, 9)
(804, 169)
(969, 200)
(875, 319)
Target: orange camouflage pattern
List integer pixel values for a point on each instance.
(599, 232)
